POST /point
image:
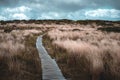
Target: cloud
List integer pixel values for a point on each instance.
(20, 9)
(9, 3)
(20, 16)
(60, 9)
(15, 13)
(51, 15)
(103, 13)
(2, 18)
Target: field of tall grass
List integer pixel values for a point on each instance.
(85, 53)
(84, 50)
(19, 59)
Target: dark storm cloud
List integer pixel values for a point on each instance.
(72, 5)
(68, 5)
(9, 3)
(35, 9)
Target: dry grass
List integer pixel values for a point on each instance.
(82, 50)
(19, 59)
(85, 53)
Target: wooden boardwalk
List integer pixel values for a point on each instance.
(50, 69)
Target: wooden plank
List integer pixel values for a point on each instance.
(50, 69)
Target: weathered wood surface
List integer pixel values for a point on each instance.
(50, 69)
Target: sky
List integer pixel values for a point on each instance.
(60, 9)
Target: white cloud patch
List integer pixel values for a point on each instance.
(50, 15)
(2, 18)
(20, 9)
(41, 12)
(18, 13)
(60, 9)
(20, 16)
(103, 13)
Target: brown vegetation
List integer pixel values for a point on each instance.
(86, 54)
(19, 59)
(84, 50)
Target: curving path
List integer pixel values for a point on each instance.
(50, 69)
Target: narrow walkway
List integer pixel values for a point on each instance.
(50, 70)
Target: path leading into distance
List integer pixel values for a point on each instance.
(50, 69)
